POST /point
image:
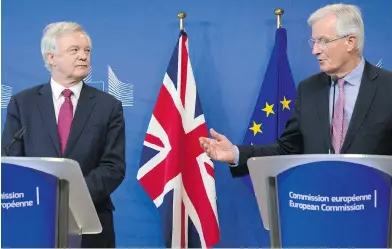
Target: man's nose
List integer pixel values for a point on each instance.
(83, 55)
(316, 49)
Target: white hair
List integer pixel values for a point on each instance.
(348, 21)
(50, 35)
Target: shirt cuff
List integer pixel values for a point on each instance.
(236, 156)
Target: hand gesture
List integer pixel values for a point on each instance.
(218, 147)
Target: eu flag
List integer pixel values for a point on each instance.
(276, 98)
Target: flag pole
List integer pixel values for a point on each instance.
(182, 16)
(279, 12)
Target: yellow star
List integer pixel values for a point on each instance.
(255, 128)
(285, 103)
(268, 109)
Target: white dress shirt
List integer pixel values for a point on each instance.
(58, 98)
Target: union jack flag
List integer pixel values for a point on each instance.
(174, 170)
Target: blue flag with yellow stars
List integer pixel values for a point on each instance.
(276, 99)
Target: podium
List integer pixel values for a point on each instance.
(45, 203)
(330, 201)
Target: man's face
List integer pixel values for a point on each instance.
(71, 61)
(332, 55)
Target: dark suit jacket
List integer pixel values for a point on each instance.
(96, 140)
(308, 130)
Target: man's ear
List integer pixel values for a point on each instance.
(50, 58)
(352, 43)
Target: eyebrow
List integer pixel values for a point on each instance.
(75, 46)
(321, 37)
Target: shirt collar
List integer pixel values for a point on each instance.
(57, 89)
(355, 76)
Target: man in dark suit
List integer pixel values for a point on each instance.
(67, 118)
(344, 109)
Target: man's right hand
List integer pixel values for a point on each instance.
(218, 148)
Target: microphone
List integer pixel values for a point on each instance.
(334, 79)
(18, 136)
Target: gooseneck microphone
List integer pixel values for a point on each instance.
(18, 136)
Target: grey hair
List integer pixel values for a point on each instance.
(348, 21)
(50, 35)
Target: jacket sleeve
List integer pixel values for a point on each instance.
(290, 142)
(104, 179)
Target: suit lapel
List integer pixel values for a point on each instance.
(45, 105)
(323, 110)
(83, 111)
(364, 100)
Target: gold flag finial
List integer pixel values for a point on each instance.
(279, 12)
(182, 16)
